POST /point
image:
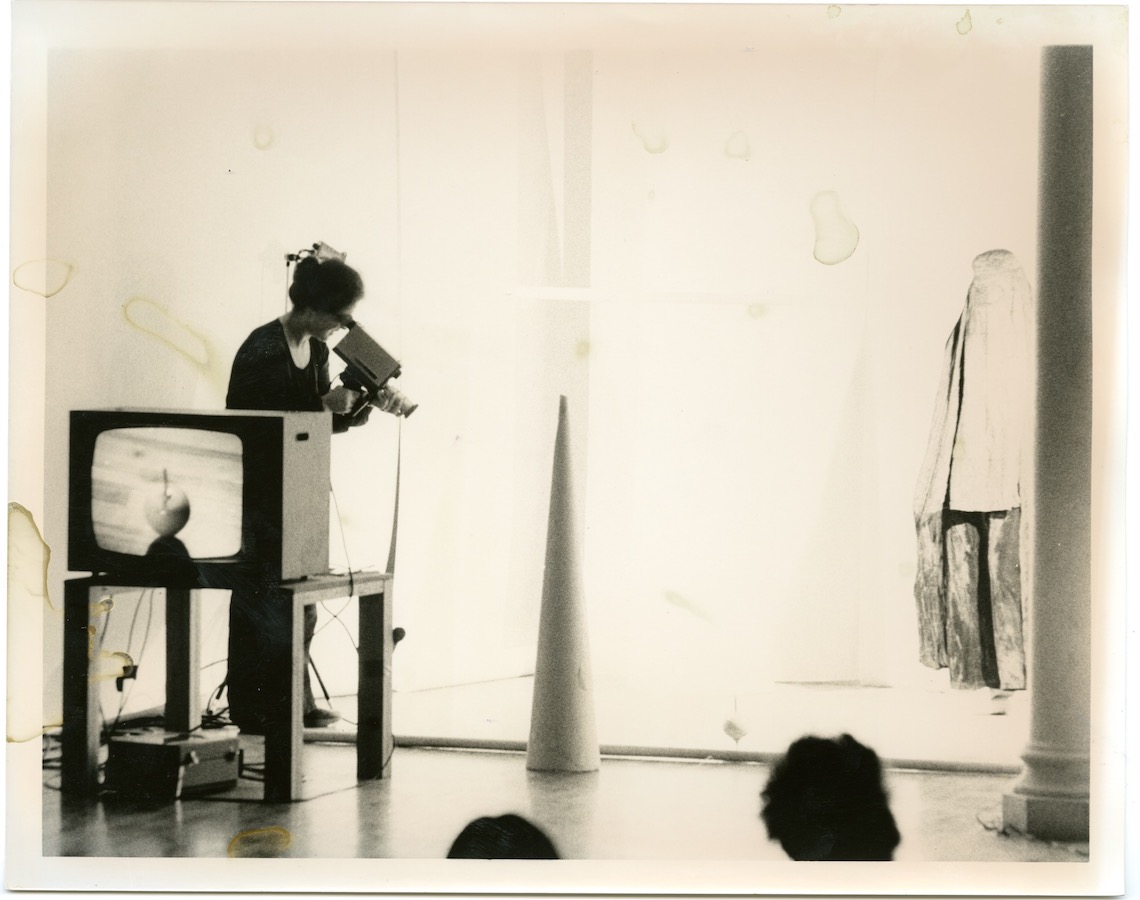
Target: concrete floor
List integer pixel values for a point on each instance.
(630, 809)
(653, 814)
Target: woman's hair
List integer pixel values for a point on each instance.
(825, 801)
(327, 286)
(504, 837)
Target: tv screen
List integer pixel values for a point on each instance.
(172, 496)
(151, 482)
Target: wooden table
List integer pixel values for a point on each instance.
(82, 724)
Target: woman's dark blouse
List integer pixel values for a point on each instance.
(264, 376)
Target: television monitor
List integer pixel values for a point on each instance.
(205, 495)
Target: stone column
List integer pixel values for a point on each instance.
(1051, 797)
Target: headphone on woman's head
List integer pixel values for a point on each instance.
(320, 250)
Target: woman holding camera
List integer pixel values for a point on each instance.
(283, 365)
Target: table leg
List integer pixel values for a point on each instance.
(183, 626)
(284, 738)
(374, 686)
(79, 765)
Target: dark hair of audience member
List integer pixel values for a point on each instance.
(825, 801)
(502, 837)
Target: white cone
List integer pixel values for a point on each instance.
(563, 737)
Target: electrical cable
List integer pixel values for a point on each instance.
(351, 581)
(143, 594)
(343, 541)
(391, 568)
(103, 631)
(259, 770)
(288, 263)
(97, 654)
(217, 695)
(148, 594)
(335, 616)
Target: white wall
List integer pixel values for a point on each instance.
(748, 421)
(773, 410)
(177, 180)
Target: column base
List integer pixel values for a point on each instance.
(1049, 818)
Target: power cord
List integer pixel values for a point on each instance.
(148, 595)
(343, 543)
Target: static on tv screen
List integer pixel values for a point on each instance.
(167, 484)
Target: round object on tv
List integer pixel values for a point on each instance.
(167, 510)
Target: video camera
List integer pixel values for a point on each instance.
(368, 369)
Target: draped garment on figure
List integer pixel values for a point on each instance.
(967, 504)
